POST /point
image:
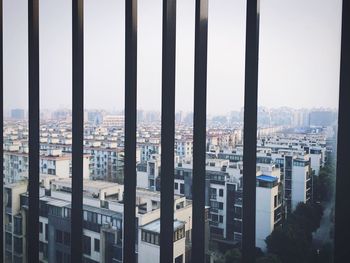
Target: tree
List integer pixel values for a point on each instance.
(323, 255)
(308, 215)
(290, 243)
(233, 256)
(269, 258)
(324, 183)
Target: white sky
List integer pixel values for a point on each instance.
(299, 54)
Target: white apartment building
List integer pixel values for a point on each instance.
(297, 181)
(113, 121)
(268, 212)
(52, 161)
(147, 149)
(149, 242)
(184, 147)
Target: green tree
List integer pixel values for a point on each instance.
(323, 255)
(290, 243)
(233, 256)
(308, 215)
(269, 258)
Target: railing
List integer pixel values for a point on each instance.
(168, 106)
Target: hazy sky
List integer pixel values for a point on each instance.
(298, 65)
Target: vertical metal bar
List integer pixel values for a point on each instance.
(34, 127)
(199, 130)
(168, 131)
(78, 130)
(130, 130)
(250, 130)
(342, 208)
(1, 138)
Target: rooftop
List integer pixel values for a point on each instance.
(154, 226)
(267, 178)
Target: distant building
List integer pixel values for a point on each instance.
(61, 115)
(113, 121)
(95, 117)
(17, 114)
(52, 162)
(322, 118)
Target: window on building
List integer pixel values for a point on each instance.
(221, 205)
(46, 232)
(97, 245)
(182, 189)
(66, 237)
(179, 259)
(275, 201)
(59, 256)
(59, 236)
(18, 245)
(87, 245)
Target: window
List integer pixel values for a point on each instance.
(41, 246)
(86, 245)
(59, 236)
(179, 234)
(66, 238)
(213, 191)
(179, 259)
(149, 237)
(182, 189)
(59, 256)
(221, 205)
(275, 201)
(46, 231)
(221, 192)
(97, 245)
(18, 245)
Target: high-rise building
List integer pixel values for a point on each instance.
(17, 114)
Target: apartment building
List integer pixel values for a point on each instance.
(269, 206)
(184, 147)
(102, 222)
(113, 121)
(297, 181)
(14, 228)
(52, 161)
(148, 148)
